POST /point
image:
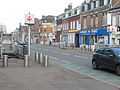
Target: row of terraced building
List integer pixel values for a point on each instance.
(93, 22)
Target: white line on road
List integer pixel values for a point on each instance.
(107, 82)
(65, 54)
(55, 58)
(81, 56)
(76, 55)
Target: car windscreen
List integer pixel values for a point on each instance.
(117, 51)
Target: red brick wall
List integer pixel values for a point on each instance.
(115, 3)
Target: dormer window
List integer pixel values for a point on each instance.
(86, 7)
(97, 3)
(69, 14)
(83, 8)
(64, 16)
(89, 6)
(75, 12)
(94, 4)
(105, 2)
(108, 1)
(101, 3)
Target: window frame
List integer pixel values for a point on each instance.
(99, 51)
(108, 52)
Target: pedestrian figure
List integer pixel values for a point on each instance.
(50, 43)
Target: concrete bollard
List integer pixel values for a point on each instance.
(45, 60)
(36, 56)
(5, 61)
(26, 61)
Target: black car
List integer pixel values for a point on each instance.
(108, 58)
(21, 49)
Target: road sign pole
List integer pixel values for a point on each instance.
(29, 40)
(29, 20)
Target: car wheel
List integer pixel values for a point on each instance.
(118, 70)
(95, 66)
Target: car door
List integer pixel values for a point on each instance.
(109, 59)
(99, 56)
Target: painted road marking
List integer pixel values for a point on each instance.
(55, 58)
(97, 75)
(94, 77)
(77, 56)
(66, 54)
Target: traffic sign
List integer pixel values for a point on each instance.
(29, 19)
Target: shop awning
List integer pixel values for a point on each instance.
(102, 32)
(73, 31)
(99, 32)
(87, 33)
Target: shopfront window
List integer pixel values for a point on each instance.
(119, 41)
(96, 39)
(113, 40)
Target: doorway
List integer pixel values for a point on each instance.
(76, 40)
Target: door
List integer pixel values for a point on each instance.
(99, 57)
(76, 40)
(65, 39)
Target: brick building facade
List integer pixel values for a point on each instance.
(95, 21)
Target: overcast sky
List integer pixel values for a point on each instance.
(13, 11)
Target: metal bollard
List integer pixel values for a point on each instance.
(40, 60)
(5, 61)
(36, 56)
(1, 54)
(46, 58)
(26, 61)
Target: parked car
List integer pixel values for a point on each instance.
(21, 49)
(108, 58)
(8, 49)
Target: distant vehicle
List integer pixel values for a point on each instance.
(108, 58)
(6, 42)
(21, 49)
(8, 49)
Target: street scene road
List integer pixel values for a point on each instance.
(60, 45)
(80, 62)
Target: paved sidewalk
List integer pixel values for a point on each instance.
(54, 77)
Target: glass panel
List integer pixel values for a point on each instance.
(117, 51)
(108, 52)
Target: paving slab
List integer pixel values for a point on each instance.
(55, 77)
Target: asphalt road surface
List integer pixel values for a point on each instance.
(74, 60)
